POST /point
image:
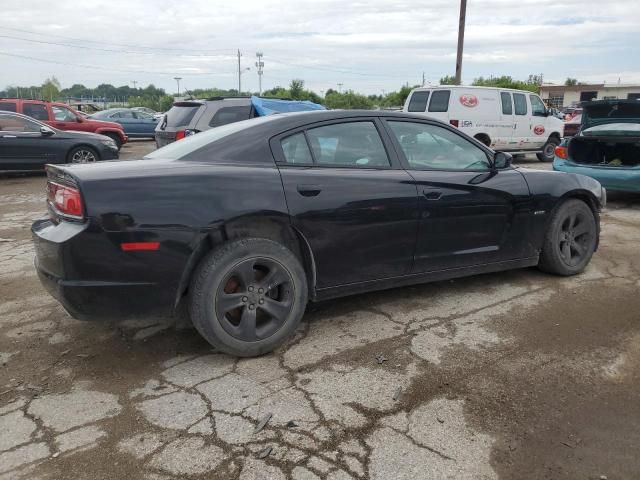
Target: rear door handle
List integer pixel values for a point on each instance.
(432, 194)
(308, 190)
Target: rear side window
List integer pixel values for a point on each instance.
(8, 107)
(35, 110)
(352, 144)
(180, 116)
(439, 101)
(520, 103)
(507, 106)
(418, 102)
(296, 151)
(230, 115)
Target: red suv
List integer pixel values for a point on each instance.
(63, 117)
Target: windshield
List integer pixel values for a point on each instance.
(181, 148)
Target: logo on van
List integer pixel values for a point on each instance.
(469, 100)
(538, 129)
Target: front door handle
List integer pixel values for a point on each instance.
(308, 190)
(432, 194)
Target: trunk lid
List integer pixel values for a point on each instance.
(611, 118)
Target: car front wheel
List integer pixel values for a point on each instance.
(83, 154)
(549, 149)
(570, 239)
(248, 296)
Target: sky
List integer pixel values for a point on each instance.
(369, 46)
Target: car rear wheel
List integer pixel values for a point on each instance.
(570, 239)
(548, 151)
(248, 296)
(83, 154)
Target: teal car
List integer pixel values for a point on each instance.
(607, 147)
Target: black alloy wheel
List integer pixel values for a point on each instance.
(255, 299)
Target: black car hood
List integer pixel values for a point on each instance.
(602, 112)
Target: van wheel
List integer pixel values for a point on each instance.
(548, 151)
(247, 297)
(481, 137)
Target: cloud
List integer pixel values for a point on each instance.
(366, 45)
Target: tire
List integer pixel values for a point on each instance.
(83, 154)
(570, 239)
(548, 150)
(484, 139)
(115, 137)
(248, 296)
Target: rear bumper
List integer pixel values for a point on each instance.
(611, 178)
(67, 273)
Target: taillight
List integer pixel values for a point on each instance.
(562, 152)
(180, 134)
(455, 123)
(64, 199)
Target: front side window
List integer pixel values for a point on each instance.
(418, 102)
(11, 123)
(142, 115)
(296, 151)
(537, 107)
(230, 115)
(62, 114)
(440, 101)
(507, 106)
(35, 110)
(352, 144)
(520, 103)
(430, 147)
(126, 114)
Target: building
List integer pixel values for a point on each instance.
(569, 95)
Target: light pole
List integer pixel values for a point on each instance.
(177, 79)
(260, 66)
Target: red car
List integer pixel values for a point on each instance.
(63, 117)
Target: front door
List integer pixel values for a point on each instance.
(22, 145)
(470, 213)
(351, 201)
(64, 118)
(522, 122)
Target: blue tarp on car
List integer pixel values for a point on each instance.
(269, 106)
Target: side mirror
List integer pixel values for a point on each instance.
(502, 160)
(79, 119)
(46, 132)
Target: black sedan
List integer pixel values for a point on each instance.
(247, 222)
(27, 144)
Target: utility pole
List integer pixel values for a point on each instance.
(340, 87)
(260, 66)
(239, 74)
(463, 14)
(423, 79)
(135, 82)
(177, 79)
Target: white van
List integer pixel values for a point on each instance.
(508, 120)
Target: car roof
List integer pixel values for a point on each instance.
(470, 87)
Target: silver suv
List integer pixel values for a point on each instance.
(192, 116)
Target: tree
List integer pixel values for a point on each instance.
(505, 81)
(448, 80)
(569, 82)
(347, 100)
(296, 89)
(51, 89)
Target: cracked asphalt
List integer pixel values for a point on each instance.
(503, 376)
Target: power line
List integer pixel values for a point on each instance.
(335, 70)
(128, 45)
(110, 69)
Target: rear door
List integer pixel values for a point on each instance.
(522, 122)
(350, 199)
(506, 127)
(470, 214)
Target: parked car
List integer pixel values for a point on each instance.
(27, 144)
(189, 117)
(572, 126)
(156, 115)
(62, 117)
(135, 124)
(514, 121)
(246, 222)
(607, 146)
